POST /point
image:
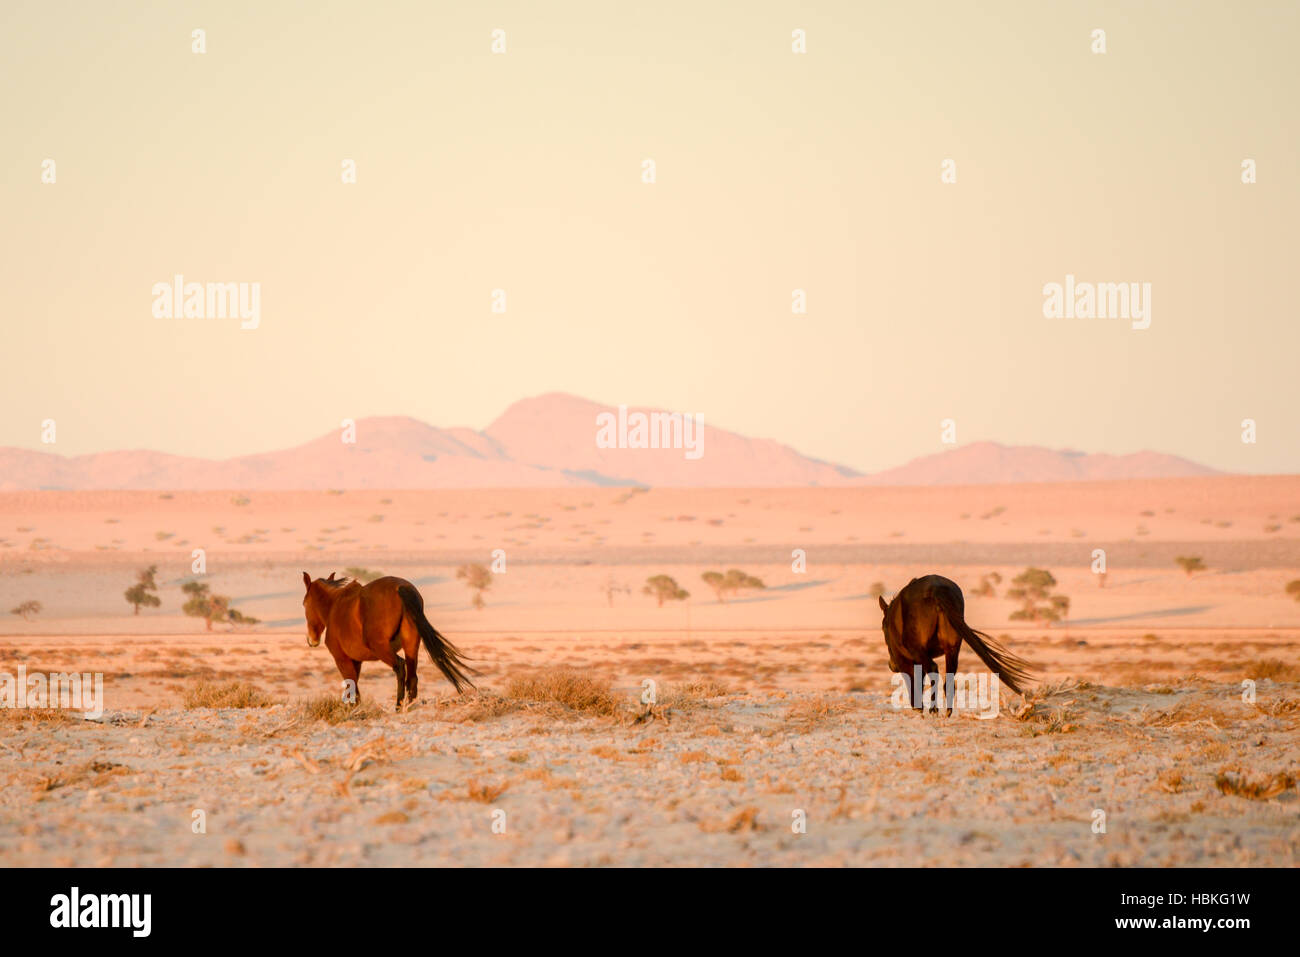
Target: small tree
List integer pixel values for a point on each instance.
(1033, 589)
(611, 587)
(876, 590)
(363, 575)
(479, 580)
(985, 588)
(238, 618)
(203, 604)
(664, 588)
(199, 603)
(732, 582)
(1293, 589)
(1190, 564)
(145, 590)
(25, 610)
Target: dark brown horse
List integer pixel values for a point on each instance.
(372, 623)
(928, 618)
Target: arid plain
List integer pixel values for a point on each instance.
(773, 739)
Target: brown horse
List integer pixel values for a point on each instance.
(372, 623)
(927, 618)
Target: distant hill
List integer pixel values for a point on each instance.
(988, 463)
(550, 441)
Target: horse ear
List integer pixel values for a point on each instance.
(883, 607)
(306, 580)
(331, 578)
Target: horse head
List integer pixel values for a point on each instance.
(315, 606)
(892, 638)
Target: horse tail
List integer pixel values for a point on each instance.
(1009, 668)
(444, 654)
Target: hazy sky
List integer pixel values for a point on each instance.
(775, 171)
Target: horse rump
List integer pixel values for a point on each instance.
(444, 654)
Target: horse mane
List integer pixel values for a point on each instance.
(336, 582)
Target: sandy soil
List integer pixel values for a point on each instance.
(1140, 714)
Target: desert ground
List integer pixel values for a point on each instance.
(1166, 711)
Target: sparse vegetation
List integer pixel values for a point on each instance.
(363, 575)
(1190, 564)
(332, 709)
(563, 686)
(985, 588)
(733, 582)
(611, 587)
(478, 579)
(203, 604)
(225, 694)
(1293, 589)
(145, 590)
(26, 610)
(664, 588)
(1238, 783)
(1033, 589)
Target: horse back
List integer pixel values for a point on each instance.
(922, 602)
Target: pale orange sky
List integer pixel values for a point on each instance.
(775, 171)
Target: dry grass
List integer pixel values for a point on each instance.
(567, 688)
(743, 819)
(1042, 714)
(1240, 784)
(1172, 781)
(692, 694)
(482, 792)
(1273, 668)
(225, 694)
(1186, 714)
(1042, 718)
(474, 706)
(38, 716)
(1279, 707)
(333, 710)
(817, 709)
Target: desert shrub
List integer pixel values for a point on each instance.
(225, 694)
(332, 709)
(25, 610)
(145, 590)
(733, 582)
(664, 588)
(478, 579)
(1032, 588)
(566, 687)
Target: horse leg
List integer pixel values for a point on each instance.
(950, 642)
(349, 669)
(411, 649)
(932, 673)
(388, 655)
(950, 676)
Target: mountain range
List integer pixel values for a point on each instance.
(551, 441)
